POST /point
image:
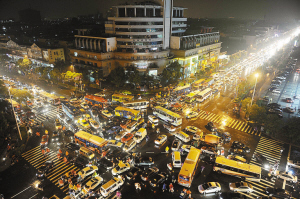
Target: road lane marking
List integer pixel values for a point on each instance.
(21, 192)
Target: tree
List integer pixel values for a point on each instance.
(257, 114)
(273, 124)
(24, 63)
(55, 74)
(134, 76)
(60, 65)
(245, 104)
(21, 95)
(173, 73)
(117, 76)
(292, 129)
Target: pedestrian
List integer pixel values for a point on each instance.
(173, 179)
(48, 150)
(118, 194)
(164, 187)
(60, 151)
(43, 152)
(171, 188)
(189, 193)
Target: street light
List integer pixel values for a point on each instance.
(256, 76)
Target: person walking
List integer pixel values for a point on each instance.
(173, 179)
(171, 188)
(164, 187)
(43, 152)
(189, 193)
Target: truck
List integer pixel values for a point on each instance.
(140, 135)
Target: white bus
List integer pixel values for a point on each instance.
(167, 115)
(237, 169)
(203, 95)
(137, 104)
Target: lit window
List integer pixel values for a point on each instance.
(75, 54)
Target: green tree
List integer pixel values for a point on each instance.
(172, 74)
(55, 74)
(117, 76)
(133, 76)
(273, 124)
(257, 114)
(21, 96)
(292, 129)
(60, 65)
(246, 104)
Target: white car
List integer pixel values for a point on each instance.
(192, 129)
(276, 91)
(160, 140)
(241, 187)
(210, 187)
(152, 119)
(106, 113)
(84, 105)
(170, 128)
(176, 145)
(94, 124)
(93, 183)
(87, 171)
(186, 148)
(287, 176)
(192, 114)
(120, 168)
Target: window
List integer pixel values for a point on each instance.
(108, 43)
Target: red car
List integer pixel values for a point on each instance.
(44, 140)
(289, 100)
(127, 137)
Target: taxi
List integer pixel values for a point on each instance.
(84, 123)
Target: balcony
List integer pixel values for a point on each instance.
(139, 26)
(139, 33)
(138, 19)
(139, 40)
(139, 46)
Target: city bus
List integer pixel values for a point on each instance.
(203, 95)
(92, 142)
(48, 97)
(71, 111)
(128, 113)
(121, 98)
(191, 97)
(137, 104)
(167, 115)
(198, 84)
(95, 100)
(182, 89)
(189, 167)
(237, 169)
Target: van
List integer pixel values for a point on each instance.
(140, 135)
(131, 126)
(111, 186)
(129, 145)
(86, 153)
(182, 136)
(176, 158)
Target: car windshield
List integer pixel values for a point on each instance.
(205, 186)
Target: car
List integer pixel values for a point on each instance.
(157, 179)
(274, 111)
(55, 136)
(192, 114)
(289, 110)
(127, 137)
(61, 116)
(258, 157)
(169, 127)
(211, 126)
(143, 161)
(106, 113)
(272, 88)
(274, 105)
(241, 187)
(209, 150)
(84, 105)
(114, 130)
(30, 115)
(114, 143)
(105, 163)
(237, 158)
(73, 147)
(94, 124)
(44, 169)
(133, 173)
(266, 99)
(277, 192)
(288, 100)
(176, 145)
(239, 152)
(287, 176)
(44, 140)
(93, 183)
(120, 168)
(58, 125)
(239, 145)
(276, 91)
(84, 123)
(186, 148)
(209, 187)
(94, 113)
(160, 139)
(74, 100)
(192, 129)
(87, 117)
(73, 127)
(87, 171)
(153, 119)
(148, 173)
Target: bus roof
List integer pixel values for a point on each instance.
(239, 165)
(49, 95)
(96, 98)
(135, 101)
(190, 162)
(182, 87)
(91, 138)
(192, 94)
(199, 81)
(121, 95)
(204, 91)
(168, 112)
(121, 108)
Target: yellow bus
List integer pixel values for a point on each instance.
(237, 169)
(128, 113)
(167, 115)
(92, 142)
(203, 95)
(191, 97)
(121, 98)
(188, 169)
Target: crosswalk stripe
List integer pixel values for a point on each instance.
(232, 123)
(245, 194)
(30, 150)
(58, 170)
(29, 154)
(266, 182)
(237, 123)
(56, 177)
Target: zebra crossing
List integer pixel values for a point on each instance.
(227, 121)
(51, 113)
(270, 149)
(37, 159)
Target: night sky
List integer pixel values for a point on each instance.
(249, 9)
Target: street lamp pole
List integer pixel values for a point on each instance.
(256, 75)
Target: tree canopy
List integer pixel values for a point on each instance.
(257, 114)
(21, 96)
(173, 73)
(117, 76)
